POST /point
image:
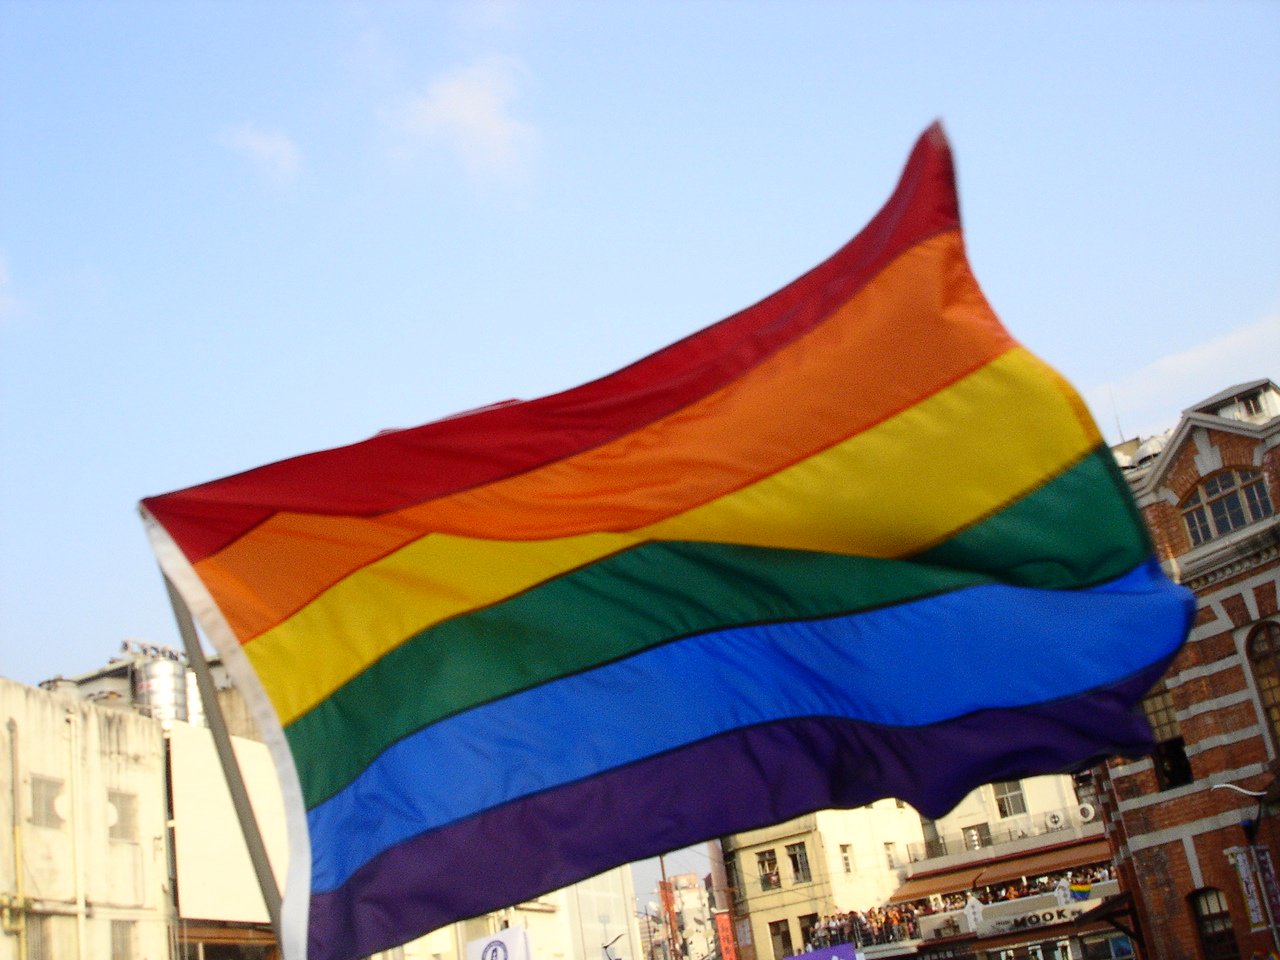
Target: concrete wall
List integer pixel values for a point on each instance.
(84, 843)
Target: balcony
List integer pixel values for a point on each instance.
(984, 841)
(1006, 916)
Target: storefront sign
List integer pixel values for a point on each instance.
(724, 936)
(1037, 919)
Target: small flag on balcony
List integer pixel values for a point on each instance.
(852, 542)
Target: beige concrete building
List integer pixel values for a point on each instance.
(786, 879)
(120, 841)
(84, 867)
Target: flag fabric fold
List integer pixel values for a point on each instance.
(852, 542)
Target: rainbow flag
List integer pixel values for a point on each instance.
(852, 542)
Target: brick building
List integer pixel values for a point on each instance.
(1193, 835)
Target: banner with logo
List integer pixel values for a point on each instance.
(509, 944)
(1240, 859)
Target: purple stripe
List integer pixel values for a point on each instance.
(729, 783)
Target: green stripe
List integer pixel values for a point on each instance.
(1070, 533)
(1080, 529)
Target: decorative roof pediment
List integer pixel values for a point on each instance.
(1249, 409)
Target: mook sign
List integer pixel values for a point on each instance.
(1034, 920)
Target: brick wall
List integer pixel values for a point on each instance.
(1171, 843)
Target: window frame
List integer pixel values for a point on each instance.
(767, 869)
(1264, 665)
(780, 939)
(1224, 502)
(1008, 796)
(1214, 930)
(1169, 760)
(798, 856)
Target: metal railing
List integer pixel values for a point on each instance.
(1009, 830)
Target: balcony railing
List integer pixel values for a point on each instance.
(1008, 830)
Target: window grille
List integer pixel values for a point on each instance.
(124, 824)
(121, 940)
(44, 801)
(39, 938)
(845, 859)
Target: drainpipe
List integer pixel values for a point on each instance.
(76, 835)
(20, 906)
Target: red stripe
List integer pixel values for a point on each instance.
(395, 470)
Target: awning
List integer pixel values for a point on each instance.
(953, 881)
(1004, 871)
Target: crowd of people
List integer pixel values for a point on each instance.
(901, 921)
(865, 927)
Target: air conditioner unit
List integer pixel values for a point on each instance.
(1087, 812)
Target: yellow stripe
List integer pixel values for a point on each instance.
(902, 486)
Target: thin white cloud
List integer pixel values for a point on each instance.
(6, 299)
(1149, 400)
(468, 112)
(488, 15)
(274, 155)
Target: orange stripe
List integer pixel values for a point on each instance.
(919, 326)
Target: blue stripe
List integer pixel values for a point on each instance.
(910, 665)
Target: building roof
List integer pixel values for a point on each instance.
(1223, 395)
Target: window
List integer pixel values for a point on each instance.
(977, 836)
(780, 935)
(1224, 502)
(1263, 650)
(845, 858)
(45, 792)
(123, 815)
(1086, 787)
(1252, 405)
(732, 878)
(767, 867)
(1009, 799)
(1111, 946)
(39, 939)
(1213, 925)
(121, 940)
(799, 858)
(891, 855)
(807, 925)
(1169, 758)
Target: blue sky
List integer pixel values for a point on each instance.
(235, 231)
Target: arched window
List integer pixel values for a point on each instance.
(1263, 650)
(1213, 925)
(1224, 502)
